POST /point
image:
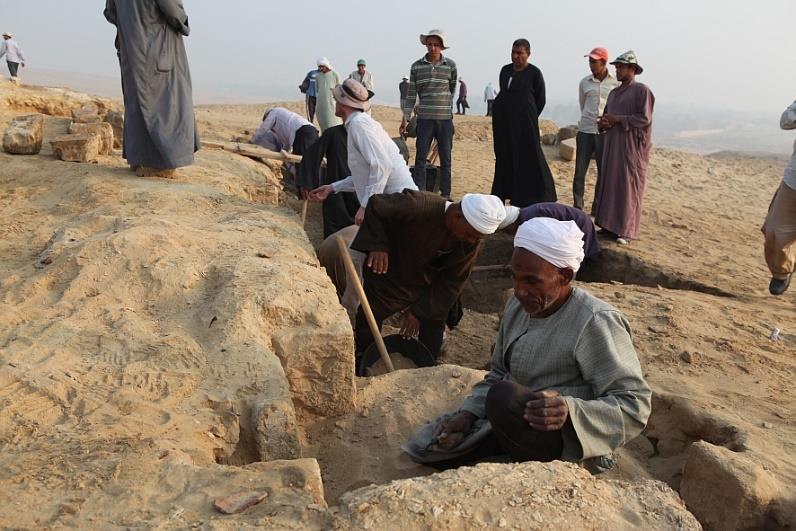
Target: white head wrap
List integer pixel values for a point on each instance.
(512, 213)
(323, 61)
(483, 212)
(557, 242)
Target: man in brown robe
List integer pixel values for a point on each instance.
(627, 125)
(420, 250)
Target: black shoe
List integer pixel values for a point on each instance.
(777, 286)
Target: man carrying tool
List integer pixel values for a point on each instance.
(420, 250)
(284, 130)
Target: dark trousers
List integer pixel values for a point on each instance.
(306, 136)
(431, 332)
(511, 435)
(587, 144)
(427, 130)
(311, 102)
(462, 106)
(12, 68)
(489, 104)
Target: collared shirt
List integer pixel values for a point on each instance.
(366, 79)
(593, 94)
(12, 51)
(278, 130)
(788, 121)
(376, 165)
(490, 93)
(433, 85)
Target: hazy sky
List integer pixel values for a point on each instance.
(709, 53)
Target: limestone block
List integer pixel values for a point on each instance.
(302, 475)
(569, 131)
(77, 148)
(274, 422)
(726, 489)
(549, 139)
(87, 114)
(547, 127)
(104, 130)
(566, 149)
(116, 119)
(319, 364)
(24, 135)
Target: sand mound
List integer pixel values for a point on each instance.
(522, 496)
(364, 446)
(50, 101)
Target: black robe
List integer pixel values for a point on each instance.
(521, 171)
(338, 209)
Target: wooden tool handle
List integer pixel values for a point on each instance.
(353, 276)
(304, 212)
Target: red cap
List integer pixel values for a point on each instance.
(598, 53)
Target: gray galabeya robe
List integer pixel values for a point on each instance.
(159, 122)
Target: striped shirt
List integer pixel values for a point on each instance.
(433, 87)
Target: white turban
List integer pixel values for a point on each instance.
(557, 242)
(483, 212)
(512, 213)
(323, 61)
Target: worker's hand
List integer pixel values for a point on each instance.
(23, 65)
(607, 121)
(547, 411)
(378, 261)
(304, 192)
(360, 216)
(411, 326)
(450, 433)
(320, 194)
(402, 129)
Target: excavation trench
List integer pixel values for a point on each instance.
(363, 447)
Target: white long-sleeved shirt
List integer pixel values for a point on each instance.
(490, 93)
(788, 121)
(366, 79)
(282, 125)
(593, 94)
(12, 51)
(374, 160)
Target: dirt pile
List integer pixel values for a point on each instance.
(522, 496)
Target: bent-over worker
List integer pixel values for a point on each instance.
(420, 251)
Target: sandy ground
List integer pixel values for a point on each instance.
(694, 287)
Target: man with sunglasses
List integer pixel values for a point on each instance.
(592, 94)
(432, 82)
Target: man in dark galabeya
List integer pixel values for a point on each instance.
(521, 171)
(160, 127)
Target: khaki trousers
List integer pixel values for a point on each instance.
(330, 258)
(780, 231)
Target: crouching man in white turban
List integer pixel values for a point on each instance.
(420, 251)
(565, 381)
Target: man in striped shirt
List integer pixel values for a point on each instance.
(432, 82)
